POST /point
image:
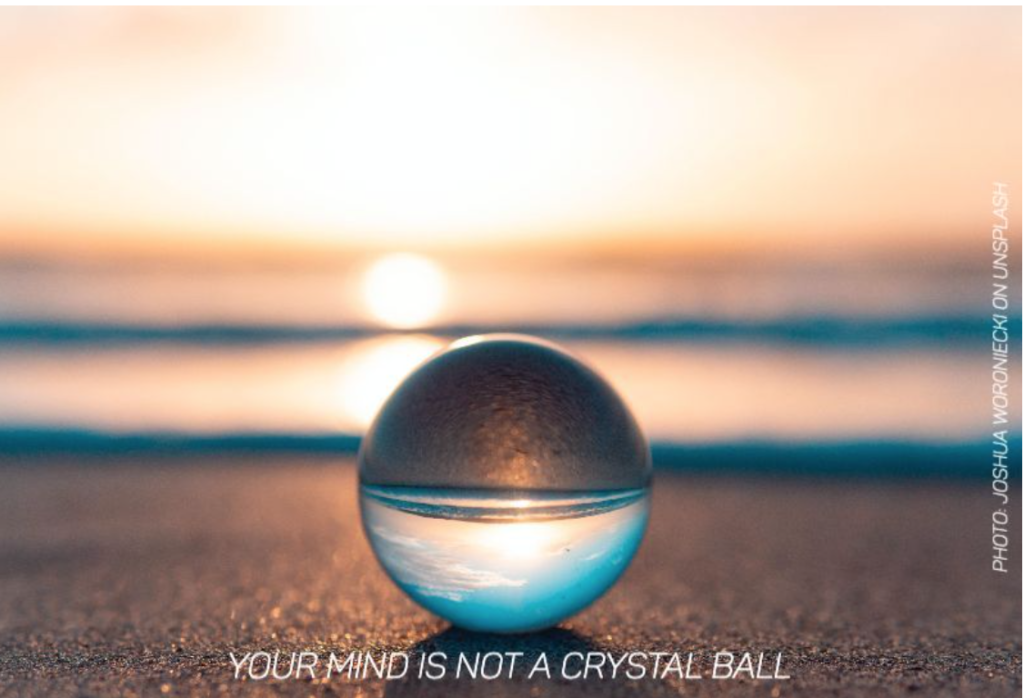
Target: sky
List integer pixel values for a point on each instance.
(832, 132)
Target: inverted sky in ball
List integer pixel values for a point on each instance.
(504, 484)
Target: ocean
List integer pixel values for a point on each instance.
(865, 373)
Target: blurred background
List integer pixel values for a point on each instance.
(768, 228)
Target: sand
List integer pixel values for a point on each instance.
(138, 578)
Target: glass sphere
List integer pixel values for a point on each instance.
(504, 485)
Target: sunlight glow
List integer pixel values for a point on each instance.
(311, 129)
(520, 541)
(371, 373)
(404, 291)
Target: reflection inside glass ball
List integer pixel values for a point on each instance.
(504, 486)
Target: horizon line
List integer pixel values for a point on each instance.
(869, 458)
(834, 329)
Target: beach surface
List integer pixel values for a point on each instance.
(125, 576)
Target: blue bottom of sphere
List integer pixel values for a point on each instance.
(503, 562)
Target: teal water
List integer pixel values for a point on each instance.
(504, 562)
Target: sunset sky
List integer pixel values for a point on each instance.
(792, 131)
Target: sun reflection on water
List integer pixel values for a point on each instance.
(373, 368)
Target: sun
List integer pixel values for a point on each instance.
(519, 541)
(404, 291)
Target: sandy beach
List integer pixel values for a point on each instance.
(128, 578)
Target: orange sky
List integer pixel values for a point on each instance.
(785, 130)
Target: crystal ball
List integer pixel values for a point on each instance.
(504, 485)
